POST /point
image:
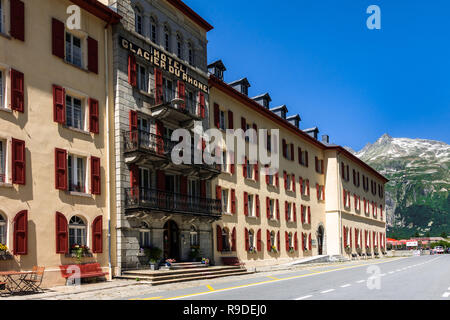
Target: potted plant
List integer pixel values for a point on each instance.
(274, 249)
(154, 255)
(4, 254)
(205, 261)
(291, 250)
(252, 250)
(194, 254)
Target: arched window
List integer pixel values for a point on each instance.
(272, 239)
(193, 236)
(190, 54)
(138, 20)
(2, 229)
(166, 38)
(144, 235)
(290, 239)
(153, 30)
(77, 231)
(179, 47)
(251, 240)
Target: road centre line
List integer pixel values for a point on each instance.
(329, 290)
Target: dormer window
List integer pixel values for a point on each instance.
(138, 20)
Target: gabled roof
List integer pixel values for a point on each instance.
(180, 5)
(262, 96)
(243, 81)
(218, 64)
(283, 107)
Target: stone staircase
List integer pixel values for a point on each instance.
(182, 272)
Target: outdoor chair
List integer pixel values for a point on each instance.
(33, 283)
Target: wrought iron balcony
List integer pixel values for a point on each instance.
(168, 98)
(163, 201)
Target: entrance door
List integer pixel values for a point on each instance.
(320, 240)
(171, 241)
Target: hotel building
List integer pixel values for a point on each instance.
(314, 205)
(53, 145)
(161, 84)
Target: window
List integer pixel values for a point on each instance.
(225, 240)
(179, 47)
(138, 20)
(153, 31)
(144, 179)
(2, 161)
(74, 113)
(142, 82)
(225, 198)
(222, 120)
(272, 239)
(224, 162)
(289, 211)
(166, 39)
(320, 193)
(77, 232)
(1, 18)
(271, 180)
(193, 237)
(305, 242)
(290, 241)
(251, 212)
(272, 208)
(77, 174)
(73, 50)
(288, 182)
(2, 230)
(249, 170)
(251, 240)
(191, 54)
(269, 143)
(144, 236)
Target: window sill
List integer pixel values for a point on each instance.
(228, 214)
(5, 110)
(77, 130)
(6, 185)
(145, 93)
(5, 35)
(75, 66)
(80, 194)
(252, 217)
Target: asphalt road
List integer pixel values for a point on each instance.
(423, 277)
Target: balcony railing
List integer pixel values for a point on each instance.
(166, 96)
(152, 199)
(143, 140)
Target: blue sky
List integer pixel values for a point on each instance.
(319, 58)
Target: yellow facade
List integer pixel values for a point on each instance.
(36, 126)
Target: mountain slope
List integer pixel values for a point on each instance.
(417, 197)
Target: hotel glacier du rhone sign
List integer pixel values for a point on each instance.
(164, 62)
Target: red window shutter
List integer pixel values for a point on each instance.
(257, 206)
(230, 120)
(92, 55)
(303, 241)
(317, 191)
(233, 240)
(284, 148)
(245, 203)
(97, 235)
(216, 115)
(306, 159)
(20, 230)
(301, 185)
(310, 242)
(93, 116)
(351, 239)
(286, 213)
(267, 177)
(278, 241)
(132, 71)
(60, 169)
(18, 162)
(258, 240)
(233, 201)
(278, 210)
(299, 155)
(203, 189)
(244, 168)
(296, 241)
(183, 186)
(232, 165)
(181, 86)
(95, 176)
(307, 188)
(59, 104)
(218, 193)
(219, 238)
(286, 237)
(246, 240)
(277, 180)
(243, 124)
(285, 179)
(58, 38)
(268, 208)
(344, 232)
(17, 90)
(292, 152)
(133, 121)
(134, 177)
(62, 241)
(309, 215)
(316, 164)
(322, 167)
(17, 19)
(201, 98)
(293, 183)
(256, 168)
(269, 245)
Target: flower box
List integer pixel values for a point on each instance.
(5, 255)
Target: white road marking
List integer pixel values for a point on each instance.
(346, 285)
(398, 270)
(391, 272)
(360, 281)
(446, 295)
(329, 290)
(303, 298)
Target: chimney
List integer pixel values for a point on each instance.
(263, 100)
(217, 69)
(326, 139)
(280, 111)
(295, 120)
(241, 85)
(313, 132)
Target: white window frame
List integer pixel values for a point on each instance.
(251, 239)
(179, 46)
(225, 200)
(153, 30)
(3, 160)
(291, 240)
(290, 205)
(138, 14)
(5, 17)
(4, 227)
(272, 209)
(142, 77)
(4, 94)
(144, 231)
(7, 166)
(251, 204)
(222, 120)
(83, 112)
(289, 182)
(2, 86)
(78, 227)
(194, 237)
(83, 51)
(250, 170)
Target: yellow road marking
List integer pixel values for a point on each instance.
(152, 298)
(273, 278)
(210, 288)
(276, 280)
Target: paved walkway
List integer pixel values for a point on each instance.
(124, 289)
